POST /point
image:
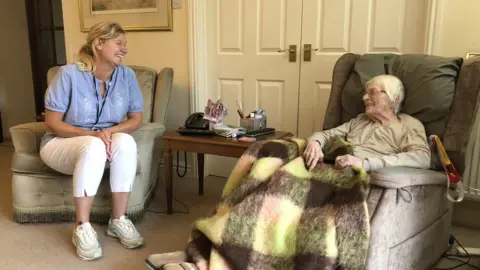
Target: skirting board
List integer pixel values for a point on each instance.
(465, 213)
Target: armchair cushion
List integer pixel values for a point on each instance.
(400, 177)
(30, 163)
(429, 88)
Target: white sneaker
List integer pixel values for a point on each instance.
(86, 240)
(124, 230)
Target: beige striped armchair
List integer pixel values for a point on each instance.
(41, 194)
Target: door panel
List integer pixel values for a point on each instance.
(244, 62)
(334, 27)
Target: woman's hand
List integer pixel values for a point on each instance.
(106, 137)
(347, 160)
(313, 154)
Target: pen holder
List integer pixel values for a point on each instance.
(253, 124)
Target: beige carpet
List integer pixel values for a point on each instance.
(48, 246)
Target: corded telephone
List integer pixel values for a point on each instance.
(196, 125)
(196, 121)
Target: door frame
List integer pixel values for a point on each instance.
(434, 23)
(197, 33)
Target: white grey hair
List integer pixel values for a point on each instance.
(393, 86)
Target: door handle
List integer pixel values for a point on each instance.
(307, 52)
(292, 53)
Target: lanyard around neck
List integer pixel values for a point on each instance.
(107, 89)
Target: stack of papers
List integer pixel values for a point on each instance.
(229, 131)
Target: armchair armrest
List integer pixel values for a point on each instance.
(26, 137)
(146, 137)
(399, 177)
(148, 132)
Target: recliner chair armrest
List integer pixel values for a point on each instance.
(399, 177)
(148, 132)
(26, 137)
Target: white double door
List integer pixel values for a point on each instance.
(257, 54)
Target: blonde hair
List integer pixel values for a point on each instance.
(393, 87)
(100, 32)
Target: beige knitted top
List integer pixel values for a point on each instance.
(399, 144)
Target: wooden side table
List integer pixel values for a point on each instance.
(201, 145)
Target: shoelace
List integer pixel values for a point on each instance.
(88, 235)
(127, 225)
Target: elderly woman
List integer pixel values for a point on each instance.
(382, 136)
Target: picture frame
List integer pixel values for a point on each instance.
(132, 15)
(472, 54)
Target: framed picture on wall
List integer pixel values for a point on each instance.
(132, 15)
(472, 54)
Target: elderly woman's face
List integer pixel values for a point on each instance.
(377, 101)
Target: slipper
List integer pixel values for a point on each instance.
(174, 266)
(160, 261)
(180, 266)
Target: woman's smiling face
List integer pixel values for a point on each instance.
(113, 50)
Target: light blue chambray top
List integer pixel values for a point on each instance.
(72, 91)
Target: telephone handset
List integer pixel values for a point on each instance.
(196, 121)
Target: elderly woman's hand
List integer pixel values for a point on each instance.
(313, 154)
(347, 160)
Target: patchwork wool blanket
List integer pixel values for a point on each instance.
(276, 214)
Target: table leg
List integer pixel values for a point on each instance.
(168, 165)
(200, 165)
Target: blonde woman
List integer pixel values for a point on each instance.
(90, 108)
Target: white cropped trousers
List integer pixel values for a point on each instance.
(85, 158)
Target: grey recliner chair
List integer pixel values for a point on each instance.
(41, 194)
(410, 216)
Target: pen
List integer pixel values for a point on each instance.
(238, 134)
(240, 110)
(240, 113)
